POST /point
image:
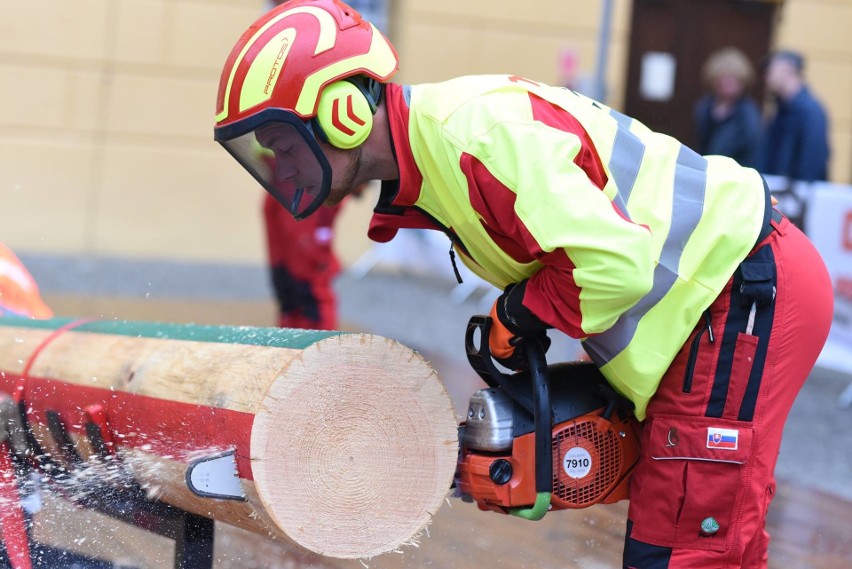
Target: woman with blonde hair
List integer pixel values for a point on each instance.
(727, 119)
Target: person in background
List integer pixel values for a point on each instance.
(19, 294)
(795, 141)
(686, 287)
(727, 119)
(302, 266)
(301, 259)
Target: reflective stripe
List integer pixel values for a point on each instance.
(690, 183)
(627, 153)
(327, 39)
(379, 61)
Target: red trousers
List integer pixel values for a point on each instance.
(323, 315)
(699, 496)
(302, 266)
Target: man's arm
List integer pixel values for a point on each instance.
(539, 192)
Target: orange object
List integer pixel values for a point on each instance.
(549, 437)
(499, 337)
(19, 295)
(592, 461)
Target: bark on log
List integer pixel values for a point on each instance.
(345, 443)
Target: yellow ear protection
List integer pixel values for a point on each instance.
(345, 112)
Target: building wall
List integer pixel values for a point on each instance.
(444, 38)
(820, 30)
(106, 110)
(106, 130)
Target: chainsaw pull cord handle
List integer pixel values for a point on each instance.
(539, 407)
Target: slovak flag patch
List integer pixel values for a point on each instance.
(724, 439)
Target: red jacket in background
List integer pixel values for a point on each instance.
(302, 265)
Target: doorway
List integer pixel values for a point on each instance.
(669, 42)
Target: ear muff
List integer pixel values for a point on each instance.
(344, 114)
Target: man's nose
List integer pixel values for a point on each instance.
(284, 169)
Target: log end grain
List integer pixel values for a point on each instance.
(355, 447)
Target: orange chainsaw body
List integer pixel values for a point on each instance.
(592, 461)
(547, 437)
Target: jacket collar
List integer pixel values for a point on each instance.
(394, 210)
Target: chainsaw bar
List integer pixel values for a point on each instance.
(215, 476)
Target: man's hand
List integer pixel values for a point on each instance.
(511, 325)
(500, 338)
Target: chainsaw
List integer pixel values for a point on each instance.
(549, 437)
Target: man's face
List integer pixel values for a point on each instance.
(778, 74)
(295, 162)
(291, 165)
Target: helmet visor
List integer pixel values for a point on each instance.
(279, 150)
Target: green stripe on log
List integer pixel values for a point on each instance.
(249, 335)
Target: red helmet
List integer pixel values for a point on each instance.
(306, 68)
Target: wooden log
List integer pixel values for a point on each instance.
(345, 443)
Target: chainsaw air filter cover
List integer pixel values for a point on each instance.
(591, 458)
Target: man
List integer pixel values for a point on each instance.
(698, 302)
(795, 141)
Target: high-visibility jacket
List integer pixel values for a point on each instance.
(626, 236)
(19, 295)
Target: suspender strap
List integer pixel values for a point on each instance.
(758, 280)
(766, 227)
(752, 311)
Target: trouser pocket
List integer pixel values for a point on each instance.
(685, 492)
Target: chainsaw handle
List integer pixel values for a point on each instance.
(480, 360)
(543, 418)
(539, 407)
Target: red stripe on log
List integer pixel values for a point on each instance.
(170, 429)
